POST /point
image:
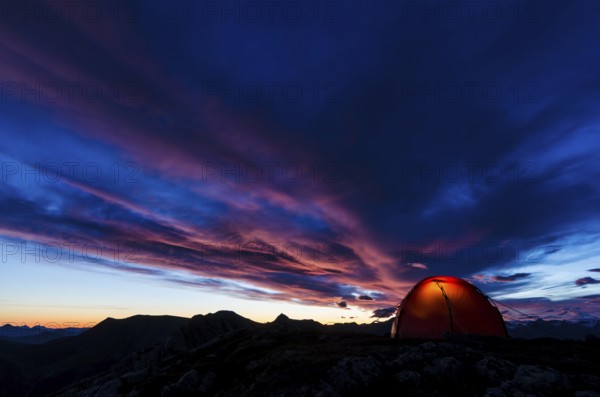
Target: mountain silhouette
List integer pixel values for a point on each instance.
(203, 328)
(37, 334)
(226, 354)
(56, 363)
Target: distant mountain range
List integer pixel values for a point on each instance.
(144, 353)
(37, 334)
(527, 330)
(554, 329)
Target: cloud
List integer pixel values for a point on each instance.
(597, 270)
(512, 277)
(384, 312)
(529, 309)
(586, 280)
(592, 299)
(305, 197)
(480, 278)
(364, 298)
(417, 265)
(342, 304)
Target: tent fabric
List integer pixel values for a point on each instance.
(442, 305)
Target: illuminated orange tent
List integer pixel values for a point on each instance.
(442, 305)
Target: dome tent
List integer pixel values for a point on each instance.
(441, 305)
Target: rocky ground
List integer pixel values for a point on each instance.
(308, 363)
(224, 354)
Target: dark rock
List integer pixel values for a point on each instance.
(494, 392)
(168, 391)
(446, 367)
(429, 346)
(587, 382)
(416, 356)
(326, 390)
(207, 382)
(541, 381)
(108, 389)
(408, 378)
(587, 393)
(134, 377)
(188, 381)
(495, 370)
(192, 382)
(355, 372)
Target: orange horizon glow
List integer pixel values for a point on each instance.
(91, 322)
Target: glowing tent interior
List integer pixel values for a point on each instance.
(442, 305)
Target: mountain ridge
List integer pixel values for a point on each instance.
(134, 348)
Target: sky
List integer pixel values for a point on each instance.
(309, 158)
